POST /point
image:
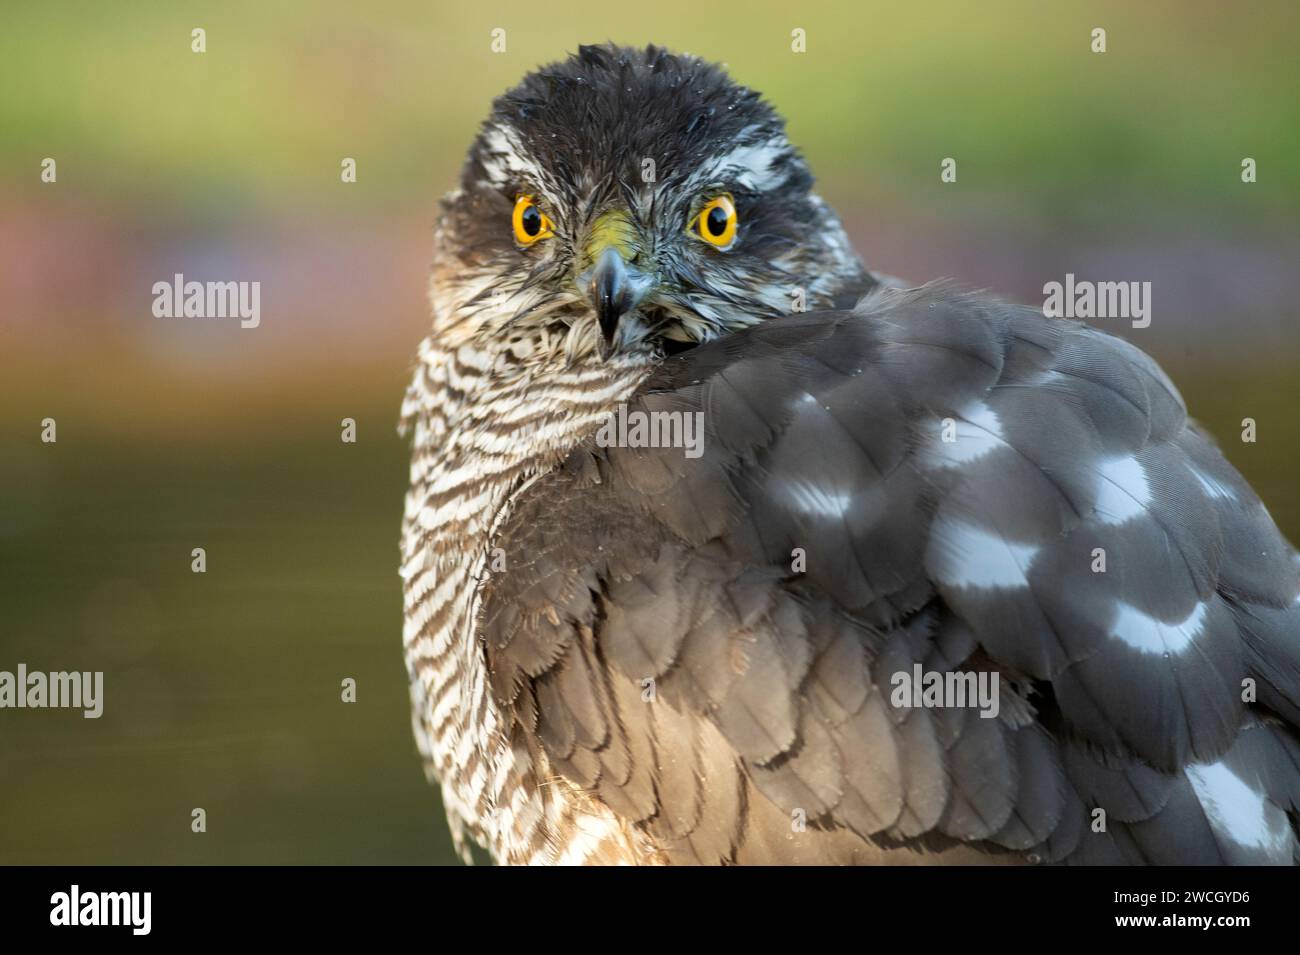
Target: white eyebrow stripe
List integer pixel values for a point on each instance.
(750, 165)
(504, 158)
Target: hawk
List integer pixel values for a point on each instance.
(625, 651)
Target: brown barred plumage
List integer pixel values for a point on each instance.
(468, 465)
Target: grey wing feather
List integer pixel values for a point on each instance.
(974, 488)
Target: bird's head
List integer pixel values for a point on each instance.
(632, 201)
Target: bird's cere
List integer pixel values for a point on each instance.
(612, 230)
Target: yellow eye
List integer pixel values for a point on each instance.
(529, 221)
(716, 223)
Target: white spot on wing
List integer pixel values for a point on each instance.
(1122, 490)
(962, 555)
(978, 431)
(1149, 635)
(1215, 489)
(1237, 810)
(815, 501)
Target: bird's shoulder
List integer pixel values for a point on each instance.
(930, 482)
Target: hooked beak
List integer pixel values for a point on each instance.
(610, 291)
(613, 286)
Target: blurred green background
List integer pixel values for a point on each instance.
(223, 689)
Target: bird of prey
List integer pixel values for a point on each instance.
(626, 650)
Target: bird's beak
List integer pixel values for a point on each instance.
(612, 284)
(610, 294)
